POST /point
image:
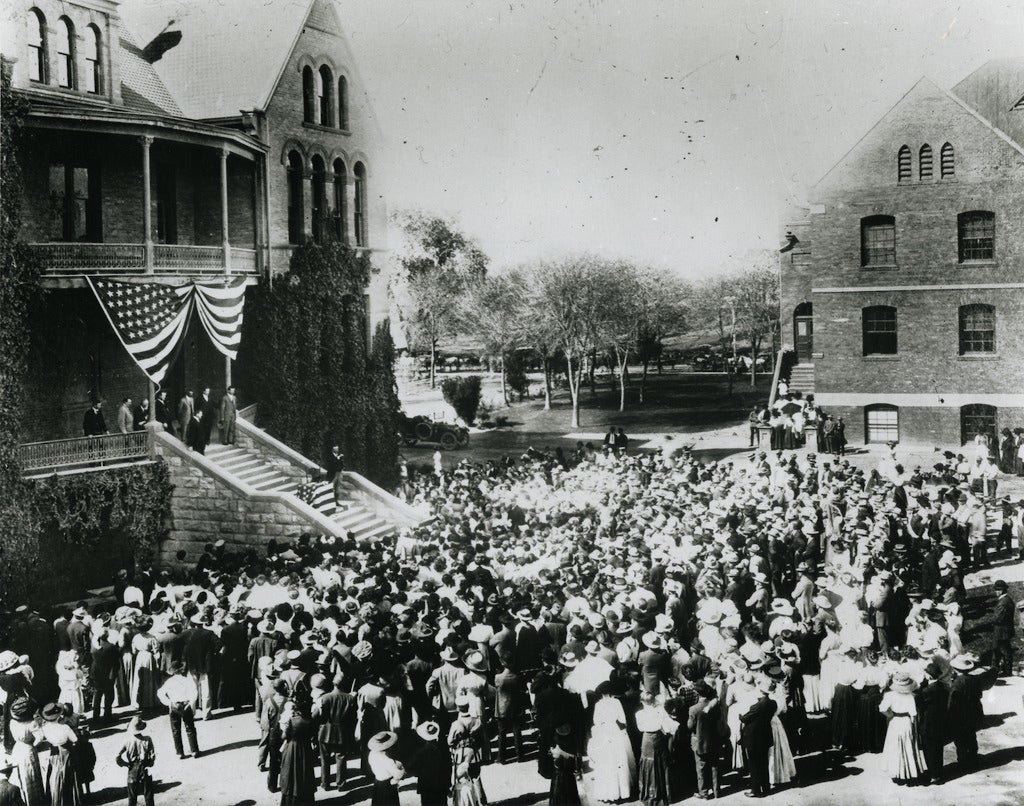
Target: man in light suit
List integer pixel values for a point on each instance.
(125, 421)
(186, 408)
(228, 417)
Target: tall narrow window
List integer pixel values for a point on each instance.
(343, 102)
(881, 423)
(879, 330)
(319, 180)
(340, 202)
(66, 54)
(903, 168)
(976, 235)
(359, 219)
(93, 61)
(977, 329)
(308, 95)
(74, 203)
(924, 163)
(37, 46)
(296, 215)
(946, 161)
(878, 241)
(325, 104)
(978, 419)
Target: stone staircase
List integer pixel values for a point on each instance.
(261, 474)
(801, 379)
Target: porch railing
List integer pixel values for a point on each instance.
(64, 453)
(95, 259)
(185, 258)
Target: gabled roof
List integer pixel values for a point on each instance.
(231, 53)
(141, 87)
(996, 91)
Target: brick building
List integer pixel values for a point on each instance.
(162, 146)
(902, 291)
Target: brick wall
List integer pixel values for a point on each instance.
(203, 511)
(988, 173)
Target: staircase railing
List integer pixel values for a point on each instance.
(384, 504)
(773, 392)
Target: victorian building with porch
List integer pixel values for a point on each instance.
(198, 146)
(902, 283)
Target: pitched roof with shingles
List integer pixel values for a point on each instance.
(994, 90)
(141, 87)
(231, 51)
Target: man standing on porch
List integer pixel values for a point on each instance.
(186, 408)
(228, 417)
(93, 423)
(125, 420)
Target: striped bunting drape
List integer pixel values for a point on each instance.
(151, 318)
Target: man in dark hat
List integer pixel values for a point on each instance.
(1002, 629)
(106, 660)
(756, 739)
(10, 795)
(138, 755)
(335, 714)
(933, 718)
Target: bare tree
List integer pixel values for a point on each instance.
(757, 305)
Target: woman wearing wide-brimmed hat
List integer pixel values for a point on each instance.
(61, 783)
(465, 740)
(387, 772)
(24, 754)
(298, 781)
(902, 756)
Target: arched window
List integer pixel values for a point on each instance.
(924, 163)
(340, 202)
(903, 169)
(977, 329)
(359, 219)
(319, 180)
(976, 235)
(878, 241)
(978, 418)
(881, 423)
(878, 324)
(323, 100)
(946, 161)
(296, 214)
(343, 102)
(94, 61)
(308, 95)
(66, 53)
(37, 56)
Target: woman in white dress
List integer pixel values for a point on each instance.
(832, 657)
(902, 757)
(740, 695)
(144, 669)
(613, 766)
(781, 767)
(71, 681)
(954, 623)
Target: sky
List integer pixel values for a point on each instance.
(675, 133)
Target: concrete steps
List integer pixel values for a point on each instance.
(801, 379)
(252, 469)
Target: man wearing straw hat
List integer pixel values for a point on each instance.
(138, 755)
(964, 709)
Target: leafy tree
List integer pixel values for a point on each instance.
(463, 395)
(494, 311)
(663, 312)
(437, 263)
(757, 305)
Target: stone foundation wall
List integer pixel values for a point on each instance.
(204, 510)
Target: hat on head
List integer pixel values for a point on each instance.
(8, 660)
(382, 741)
(449, 654)
(362, 650)
(475, 661)
(903, 683)
(568, 659)
(480, 633)
(52, 712)
(80, 612)
(137, 725)
(653, 640)
(428, 731)
(962, 663)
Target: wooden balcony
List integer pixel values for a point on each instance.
(74, 260)
(83, 452)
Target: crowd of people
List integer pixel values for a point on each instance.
(638, 626)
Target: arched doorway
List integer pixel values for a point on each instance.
(803, 332)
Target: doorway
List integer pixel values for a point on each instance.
(803, 332)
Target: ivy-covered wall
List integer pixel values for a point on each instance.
(305, 360)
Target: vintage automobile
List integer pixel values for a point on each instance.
(422, 428)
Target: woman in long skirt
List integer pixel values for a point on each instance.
(71, 681)
(740, 696)
(24, 755)
(385, 770)
(61, 782)
(144, 671)
(831, 655)
(465, 739)
(902, 757)
(613, 766)
(298, 782)
(781, 767)
(654, 780)
(564, 790)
